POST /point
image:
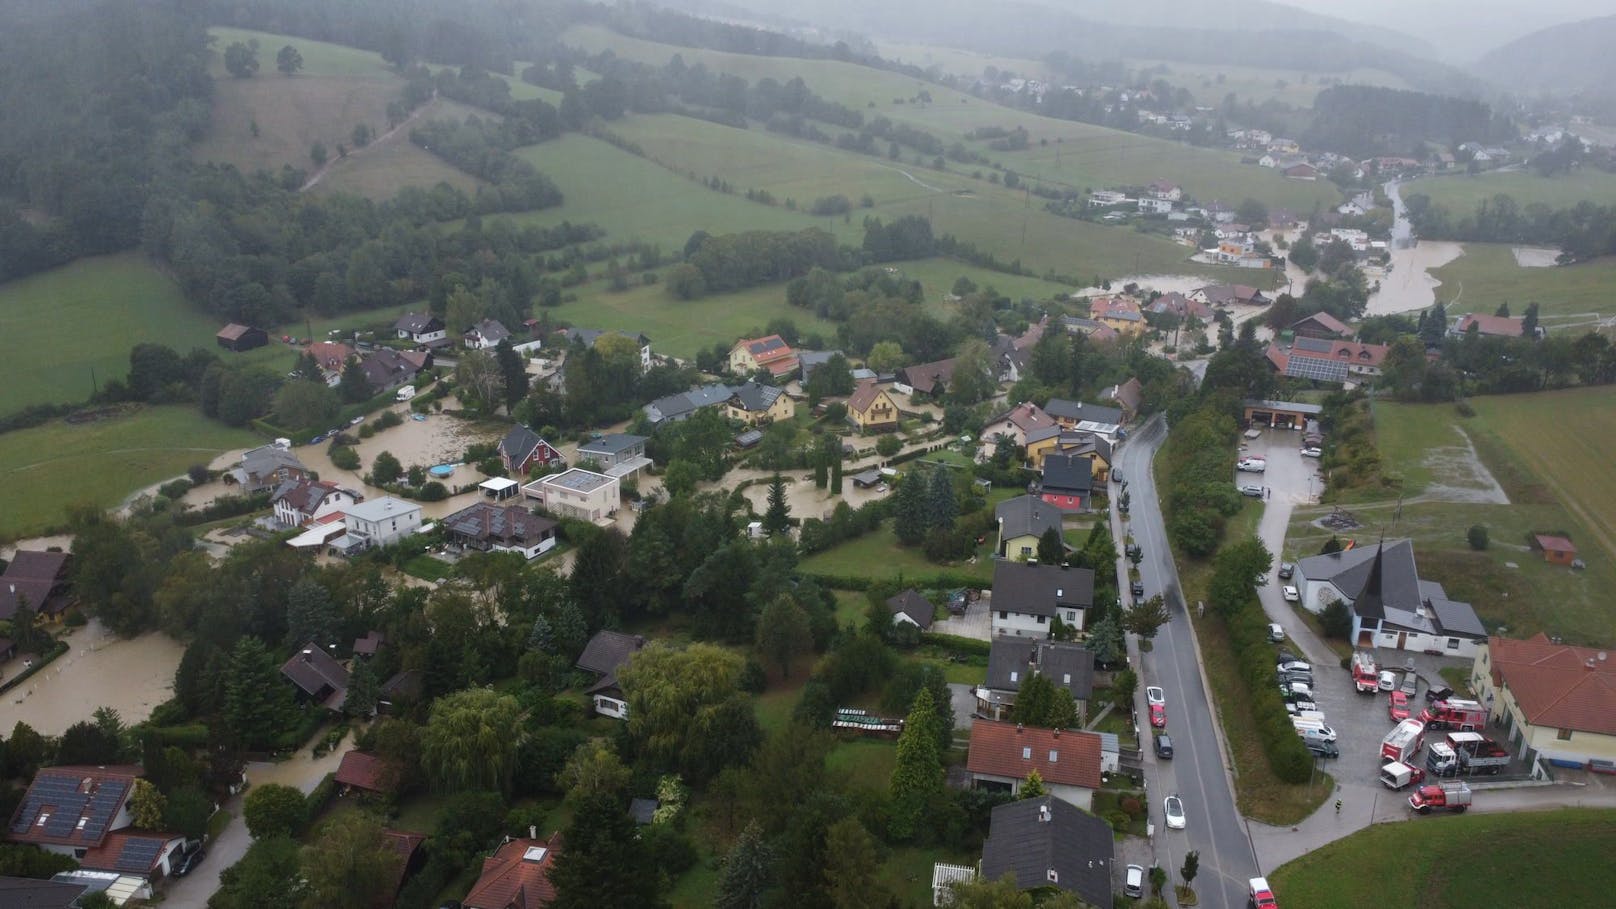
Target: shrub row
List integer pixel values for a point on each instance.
(953, 643)
(941, 581)
(1199, 494)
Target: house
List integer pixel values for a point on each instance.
(501, 528)
(1321, 325)
(298, 502)
(332, 357)
(517, 875)
(1302, 365)
(29, 893)
(1152, 206)
(1176, 304)
(1012, 661)
(365, 772)
(1094, 330)
(265, 468)
(238, 338)
(1557, 549)
(679, 407)
(422, 328)
(318, 675)
(1022, 522)
(1327, 361)
(1092, 445)
(588, 336)
(1120, 313)
(1554, 702)
(1105, 198)
(1226, 294)
(604, 655)
(1488, 326)
(369, 645)
(643, 811)
(1002, 754)
(1279, 414)
(926, 378)
(871, 408)
(910, 608)
(1026, 596)
(618, 454)
(1015, 425)
(485, 335)
(376, 523)
(1067, 482)
(386, 369)
(402, 689)
(577, 493)
(810, 360)
(39, 579)
(522, 450)
(1048, 843)
(1162, 189)
(1391, 606)
(1129, 395)
(1096, 418)
(770, 352)
(407, 846)
(755, 404)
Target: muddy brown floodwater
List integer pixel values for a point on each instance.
(132, 676)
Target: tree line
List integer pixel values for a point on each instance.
(1584, 231)
(1364, 120)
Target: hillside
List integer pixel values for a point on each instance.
(1574, 57)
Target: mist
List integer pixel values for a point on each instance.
(1461, 30)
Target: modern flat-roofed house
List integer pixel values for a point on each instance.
(1106, 421)
(577, 493)
(517, 875)
(1026, 597)
(236, 337)
(1553, 701)
(422, 328)
(1048, 844)
(604, 655)
(619, 454)
(501, 528)
(375, 523)
(1012, 661)
(522, 450)
(1002, 754)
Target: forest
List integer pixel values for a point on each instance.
(1362, 120)
(1584, 231)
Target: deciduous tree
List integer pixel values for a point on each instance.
(852, 867)
(349, 863)
(783, 633)
(470, 740)
(272, 810)
(288, 60)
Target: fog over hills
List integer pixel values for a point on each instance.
(1461, 30)
(1572, 57)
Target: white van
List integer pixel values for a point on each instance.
(1312, 728)
(1133, 882)
(405, 393)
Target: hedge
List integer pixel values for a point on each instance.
(953, 643)
(44, 660)
(322, 794)
(939, 581)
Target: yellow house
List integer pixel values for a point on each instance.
(1549, 701)
(753, 404)
(871, 409)
(1120, 313)
(1022, 522)
(1095, 447)
(772, 353)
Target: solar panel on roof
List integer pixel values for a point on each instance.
(61, 824)
(1312, 368)
(1314, 344)
(138, 854)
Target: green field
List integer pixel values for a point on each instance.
(1569, 296)
(1550, 858)
(381, 170)
(1092, 156)
(878, 556)
(63, 323)
(1461, 193)
(48, 468)
(1546, 451)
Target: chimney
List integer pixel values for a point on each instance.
(1018, 729)
(532, 832)
(1591, 664)
(1055, 732)
(307, 654)
(1044, 814)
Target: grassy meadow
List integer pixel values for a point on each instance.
(48, 468)
(1568, 296)
(1461, 193)
(1549, 858)
(1546, 452)
(379, 171)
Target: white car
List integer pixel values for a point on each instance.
(1290, 593)
(1294, 666)
(1251, 490)
(1173, 807)
(1276, 632)
(1312, 451)
(1252, 465)
(1155, 695)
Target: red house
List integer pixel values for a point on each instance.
(522, 449)
(1068, 482)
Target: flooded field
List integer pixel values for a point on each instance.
(99, 670)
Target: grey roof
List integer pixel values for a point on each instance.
(519, 444)
(1081, 441)
(1292, 406)
(1075, 845)
(611, 444)
(1062, 409)
(312, 669)
(1040, 589)
(1452, 617)
(263, 461)
(643, 811)
(1370, 581)
(813, 359)
(608, 650)
(749, 438)
(674, 407)
(1069, 666)
(588, 336)
(492, 331)
(487, 522)
(753, 397)
(1026, 516)
(384, 507)
(27, 893)
(385, 367)
(418, 323)
(913, 605)
(1068, 473)
(577, 479)
(1313, 345)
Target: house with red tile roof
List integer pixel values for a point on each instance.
(516, 876)
(1488, 326)
(771, 352)
(1556, 548)
(1002, 754)
(83, 812)
(1552, 701)
(366, 772)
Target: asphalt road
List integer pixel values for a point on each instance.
(1197, 772)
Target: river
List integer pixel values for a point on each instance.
(1409, 287)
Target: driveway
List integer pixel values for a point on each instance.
(302, 771)
(975, 623)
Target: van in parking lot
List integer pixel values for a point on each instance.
(1133, 882)
(1313, 728)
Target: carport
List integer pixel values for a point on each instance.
(1279, 414)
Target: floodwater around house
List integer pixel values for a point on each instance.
(132, 676)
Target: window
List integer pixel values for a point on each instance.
(1066, 678)
(1003, 615)
(1015, 676)
(1453, 643)
(1563, 735)
(1041, 620)
(1052, 755)
(1026, 551)
(1054, 878)
(1026, 753)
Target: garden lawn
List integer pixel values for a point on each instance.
(46, 469)
(1550, 858)
(1568, 296)
(878, 556)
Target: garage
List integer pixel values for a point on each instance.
(1279, 414)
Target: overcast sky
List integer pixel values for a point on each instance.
(1462, 29)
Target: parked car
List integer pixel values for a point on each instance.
(1440, 693)
(1137, 588)
(1164, 746)
(1251, 490)
(1158, 716)
(1313, 451)
(1291, 594)
(1388, 680)
(190, 860)
(1293, 665)
(1285, 656)
(1276, 632)
(1397, 706)
(1154, 695)
(1322, 748)
(1173, 807)
(1251, 465)
(1286, 569)
(1116, 475)
(1133, 882)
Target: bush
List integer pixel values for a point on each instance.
(388, 419)
(432, 492)
(970, 647)
(174, 488)
(1131, 805)
(275, 810)
(1477, 537)
(345, 457)
(198, 473)
(888, 445)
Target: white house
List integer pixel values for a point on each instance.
(298, 502)
(1150, 205)
(1027, 597)
(378, 522)
(1391, 606)
(604, 655)
(577, 493)
(1102, 198)
(422, 328)
(486, 335)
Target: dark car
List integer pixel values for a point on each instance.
(1286, 569)
(1164, 746)
(1138, 588)
(1438, 694)
(1116, 476)
(1285, 656)
(188, 863)
(1322, 748)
